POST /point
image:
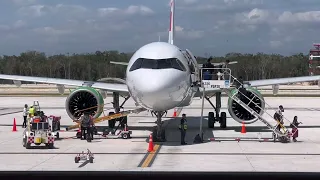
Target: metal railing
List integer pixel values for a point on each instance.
(284, 118)
(218, 74)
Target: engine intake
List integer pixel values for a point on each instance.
(240, 114)
(84, 99)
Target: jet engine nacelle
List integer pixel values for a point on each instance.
(84, 99)
(103, 93)
(240, 114)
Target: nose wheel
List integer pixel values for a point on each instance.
(158, 133)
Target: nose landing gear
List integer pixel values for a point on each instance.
(159, 134)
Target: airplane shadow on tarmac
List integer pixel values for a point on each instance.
(173, 134)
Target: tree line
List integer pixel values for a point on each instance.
(93, 66)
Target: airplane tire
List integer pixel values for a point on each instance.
(111, 123)
(211, 120)
(223, 120)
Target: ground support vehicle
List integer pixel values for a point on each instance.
(37, 133)
(84, 156)
(54, 125)
(124, 134)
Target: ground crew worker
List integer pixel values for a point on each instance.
(206, 71)
(294, 125)
(86, 124)
(31, 111)
(279, 117)
(25, 115)
(183, 128)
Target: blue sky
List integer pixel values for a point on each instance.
(206, 27)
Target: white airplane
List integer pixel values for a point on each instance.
(159, 77)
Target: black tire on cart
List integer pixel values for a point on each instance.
(125, 136)
(78, 135)
(28, 145)
(51, 146)
(24, 142)
(91, 160)
(57, 135)
(76, 160)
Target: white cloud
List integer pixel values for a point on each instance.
(24, 2)
(60, 9)
(131, 10)
(255, 16)
(34, 10)
(201, 24)
(19, 24)
(275, 44)
(14, 26)
(188, 2)
(181, 33)
(309, 16)
(52, 31)
(4, 27)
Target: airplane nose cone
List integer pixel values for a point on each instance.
(160, 91)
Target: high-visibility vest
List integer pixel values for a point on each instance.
(185, 127)
(31, 111)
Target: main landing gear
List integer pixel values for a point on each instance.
(159, 133)
(116, 104)
(222, 119)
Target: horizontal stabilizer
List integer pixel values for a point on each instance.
(120, 63)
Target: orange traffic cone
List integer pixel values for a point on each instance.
(150, 143)
(14, 128)
(243, 129)
(174, 112)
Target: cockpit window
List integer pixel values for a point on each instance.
(170, 63)
(136, 65)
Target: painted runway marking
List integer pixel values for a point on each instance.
(149, 158)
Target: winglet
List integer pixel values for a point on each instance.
(171, 25)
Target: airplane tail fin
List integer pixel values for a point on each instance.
(171, 26)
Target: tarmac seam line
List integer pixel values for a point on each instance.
(47, 159)
(247, 158)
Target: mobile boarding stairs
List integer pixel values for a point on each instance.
(226, 82)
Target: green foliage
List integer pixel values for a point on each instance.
(93, 66)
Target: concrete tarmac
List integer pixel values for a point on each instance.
(131, 155)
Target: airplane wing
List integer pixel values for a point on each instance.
(99, 85)
(265, 82)
(268, 82)
(120, 63)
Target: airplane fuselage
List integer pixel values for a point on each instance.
(159, 78)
